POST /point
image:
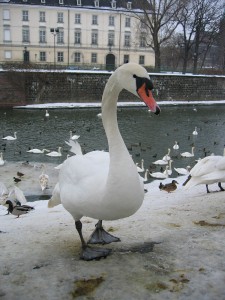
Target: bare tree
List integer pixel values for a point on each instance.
(159, 18)
(199, 21)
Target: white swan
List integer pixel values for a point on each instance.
(46, 113)
(2, 162)
(55, 153)
(183, 171)
(167, 156)
(101, 185)
(195, 132)
(10, 138)
(73, 137)
(160, 162)
(141, 168)
(38, 151)
(188, 154)
(75, 147)
(169, 169)
(160, 175)
(176, 146)
(209, 170)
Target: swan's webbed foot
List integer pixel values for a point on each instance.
(89, 253)
(100, 236)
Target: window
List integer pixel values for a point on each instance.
(77, 19)
(60, 17)
(127, 22)
(8, 54)
(25, 35)
(6, 14)
(42, 56)
(25, 15)
(7, 34)
(42, 16)
(96, 3)
(60, 56)
(77, 37)
(141, 60)
(79, 2)
(127, 39)
(42, 35)
(42, 1)
(111, 21)
(126, 58)
(129, 5)
(60, 1)
(142, 41)
(111, 37)
(113, 4)
(94, 58)
(94, 20)
(60, 37)
(94, 37)
(77, 57)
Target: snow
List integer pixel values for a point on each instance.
(172, 248)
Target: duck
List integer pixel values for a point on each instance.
(73, 137)
(2, 162)
(10, 138)
(209, 170)
(16, 210)
(55, 153)
(46, 113)
(37, 151)
(176, 146)
(120, 190)
(20, 174)
(195, 132)
(16, 180)
(188, 154)
(168, 187)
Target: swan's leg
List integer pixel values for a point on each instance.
(100, 236)
(220, 186)
(89, 253)
(207, 188)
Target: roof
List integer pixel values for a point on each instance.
(103, 4)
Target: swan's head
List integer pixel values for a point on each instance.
(135, 79)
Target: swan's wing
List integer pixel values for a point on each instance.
(208, 165)
(3, 193)
(75, 147)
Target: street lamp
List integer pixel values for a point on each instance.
(54, 31)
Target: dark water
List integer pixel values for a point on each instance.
(146, 135)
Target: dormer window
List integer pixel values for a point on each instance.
(129, 5)
(60, 1)
(96, 3)
(79, 2)
(113, 3)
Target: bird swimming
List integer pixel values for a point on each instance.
(10, 138)
(106, 185)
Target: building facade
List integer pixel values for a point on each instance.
(72, 33)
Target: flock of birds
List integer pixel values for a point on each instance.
(106, 185)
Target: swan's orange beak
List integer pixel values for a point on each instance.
(146, 95)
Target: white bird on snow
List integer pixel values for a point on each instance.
(10, 138)
(101, 185)
(209, 170)
(55, 153)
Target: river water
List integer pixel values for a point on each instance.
(146, 135)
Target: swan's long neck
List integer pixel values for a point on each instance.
(122, 171)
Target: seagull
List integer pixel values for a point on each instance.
(10, 138)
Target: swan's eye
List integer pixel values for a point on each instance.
(143, 82)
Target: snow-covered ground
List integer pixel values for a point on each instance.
(172, 248)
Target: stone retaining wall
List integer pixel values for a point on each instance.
(29, 87)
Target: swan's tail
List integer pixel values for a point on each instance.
(55, 199)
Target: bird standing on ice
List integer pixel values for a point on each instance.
(102, 185)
